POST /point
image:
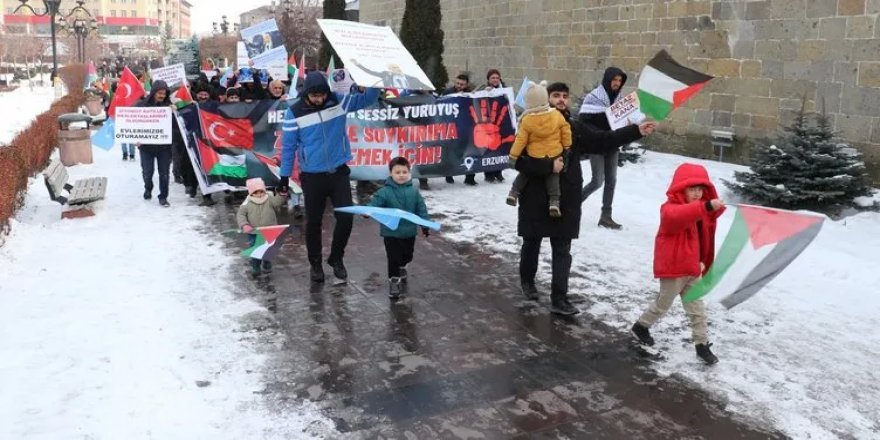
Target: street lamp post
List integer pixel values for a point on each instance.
(80, 28)
(50, 9)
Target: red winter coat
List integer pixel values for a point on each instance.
(677, 250)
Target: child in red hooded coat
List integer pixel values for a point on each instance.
(684, 250)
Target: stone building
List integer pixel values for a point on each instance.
(767, 56)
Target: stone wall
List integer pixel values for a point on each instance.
(768, 56)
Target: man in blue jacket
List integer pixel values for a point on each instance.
(314, 133)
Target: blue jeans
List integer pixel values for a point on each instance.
(128, 149)
(161, 154)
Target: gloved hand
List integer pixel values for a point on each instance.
(247, 229)
(426, 232)
(283, 185)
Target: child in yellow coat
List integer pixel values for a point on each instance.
(543, 134)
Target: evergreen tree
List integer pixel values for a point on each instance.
(421, 34)
(806, 169)
(333, 9)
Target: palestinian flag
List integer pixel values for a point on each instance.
(664, 85)
(147, 82)
(761, 243)
(182, 97)
(91, 75)
(216, 163)
(268, 243)
(301, 71)
(330, 68)
(291, 66)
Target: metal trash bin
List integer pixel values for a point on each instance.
(74, 143)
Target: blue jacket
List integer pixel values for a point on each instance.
(405, 197)
(317, 135)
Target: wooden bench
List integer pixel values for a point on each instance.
(80, 198)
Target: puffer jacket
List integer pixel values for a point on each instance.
(317, 135)
(405, 197)
(542, 135)
(678, 247)
(260, 214)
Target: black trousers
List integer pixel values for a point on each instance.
(399, 252)
(153, 157)
(317, 188)
(561, 263)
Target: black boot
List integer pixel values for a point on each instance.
(560, 306)
(255, 268)
(124, 156)
(530, 291)
(642, 334)
(423, 185)
(470, 180)
(705, 353)
(339, 271)
(317, 273)
(605, 221)
(395, 288)
(449, 179)
(148, 194)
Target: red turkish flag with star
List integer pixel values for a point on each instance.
(227, 133)
(128, 92)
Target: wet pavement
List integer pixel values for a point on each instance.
(463, 356)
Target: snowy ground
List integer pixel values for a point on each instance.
(800, 356)
(127, 325)
(21, 106)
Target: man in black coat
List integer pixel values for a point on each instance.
(534, 222)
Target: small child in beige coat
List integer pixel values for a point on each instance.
(258, 210)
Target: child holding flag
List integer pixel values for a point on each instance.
(684, 250)
(400, 193)
(258, 210)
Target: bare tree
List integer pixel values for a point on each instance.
(298, 23)
(218, 47)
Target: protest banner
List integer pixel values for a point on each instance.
(143, 125)
(624, 112)
(374, 56)
(174, 75)
(447, 136)
(341, 81)
(261, 38)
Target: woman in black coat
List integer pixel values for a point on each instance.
(534, 222)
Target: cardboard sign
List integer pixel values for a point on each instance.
(624, 112)
(261, 38)
(341, 81)
(241, 56)
(143, 125)
(374, 56)
(174, 75)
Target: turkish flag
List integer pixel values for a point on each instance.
(128, 92)
(227, 133)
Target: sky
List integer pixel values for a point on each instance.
(205, 12)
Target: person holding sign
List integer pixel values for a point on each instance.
(158, 156)
(314, 133)
(603, 163)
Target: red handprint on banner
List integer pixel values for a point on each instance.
(487, 127)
